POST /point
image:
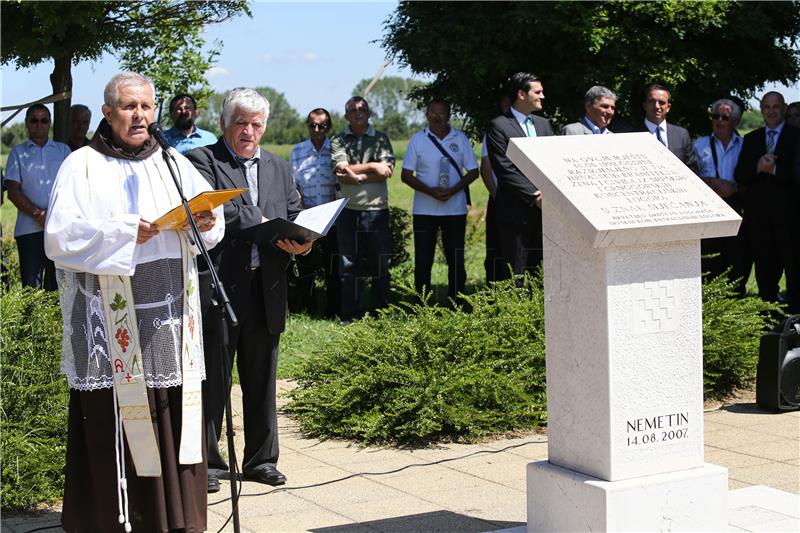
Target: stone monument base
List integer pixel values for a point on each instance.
(560, 499)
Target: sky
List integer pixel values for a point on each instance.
(314, 53)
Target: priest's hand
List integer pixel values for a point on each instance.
(293, 247)
(147, 230)
(538, 196)
(205, 220)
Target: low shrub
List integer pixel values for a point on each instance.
(419, 372)
(732, 329)
(34, 399)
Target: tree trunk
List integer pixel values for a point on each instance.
(61, 81)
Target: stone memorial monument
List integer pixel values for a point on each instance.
(622, 220)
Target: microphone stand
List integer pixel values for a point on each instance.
(222, 306)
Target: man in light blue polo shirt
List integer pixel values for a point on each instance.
(314, 178)
(184, 136)
(30, 173)
(434, 164)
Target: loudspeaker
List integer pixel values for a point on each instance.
(778, 378)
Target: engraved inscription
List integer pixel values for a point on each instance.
(635, 189)
(654, 429)
(654, 307)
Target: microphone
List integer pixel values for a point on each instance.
(157, 132)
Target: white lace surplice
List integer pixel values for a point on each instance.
(92, 231)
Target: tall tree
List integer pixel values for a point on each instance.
(702, 50)
(70, 32)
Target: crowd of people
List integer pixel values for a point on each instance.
(143, 325)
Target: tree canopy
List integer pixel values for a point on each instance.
(70, 32)
(701, 50)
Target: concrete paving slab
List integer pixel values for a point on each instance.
(731, 459)
(772, 448)
(491, 504)
(402, 507)
(433, 478)
(349, 491)
(775, 473)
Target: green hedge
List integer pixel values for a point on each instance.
(732, 330)
(421, 372)
(34, 399)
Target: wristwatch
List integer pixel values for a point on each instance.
(37, 212)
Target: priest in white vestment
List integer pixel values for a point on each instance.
(132, 347)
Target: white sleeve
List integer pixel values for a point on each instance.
(78, 234)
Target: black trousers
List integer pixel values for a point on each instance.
(426, 229)
(493, 264)
(522, 245)
(774, 243)
(730, 252)
(256, 356)
(326, 254)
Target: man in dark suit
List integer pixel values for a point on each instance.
(518, 201)
(767, 176)
(254, 275)
(657, 103)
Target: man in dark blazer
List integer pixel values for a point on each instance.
(254, 275)
(657, 103)
(767, 177)
(518, 201)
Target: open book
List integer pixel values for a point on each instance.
(310, 224)
(175, 218)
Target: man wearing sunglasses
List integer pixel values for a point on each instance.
(30, 173)
(717, 155)
(600, 103)
(314, 178)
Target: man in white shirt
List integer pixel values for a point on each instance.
(30, 173)
(717, 155)
(433, 167)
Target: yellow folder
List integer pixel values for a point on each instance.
(205, 201)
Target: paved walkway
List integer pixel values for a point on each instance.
(338, 486)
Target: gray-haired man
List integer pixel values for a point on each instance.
(600, 103)
(717, 155)
(254, 275)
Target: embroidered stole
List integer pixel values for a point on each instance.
(122, 332)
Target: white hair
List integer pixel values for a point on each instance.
(736, 111)
(246, 100)
(124, 79)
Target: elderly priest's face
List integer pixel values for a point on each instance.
(131, 114)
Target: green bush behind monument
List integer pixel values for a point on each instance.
(421, 373)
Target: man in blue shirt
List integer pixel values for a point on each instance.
(314, 178)
(184, 136)
(30, 173)
(717, 155)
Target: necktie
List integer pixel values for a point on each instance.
(771, 141)
(529, 130)
(659, 137)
